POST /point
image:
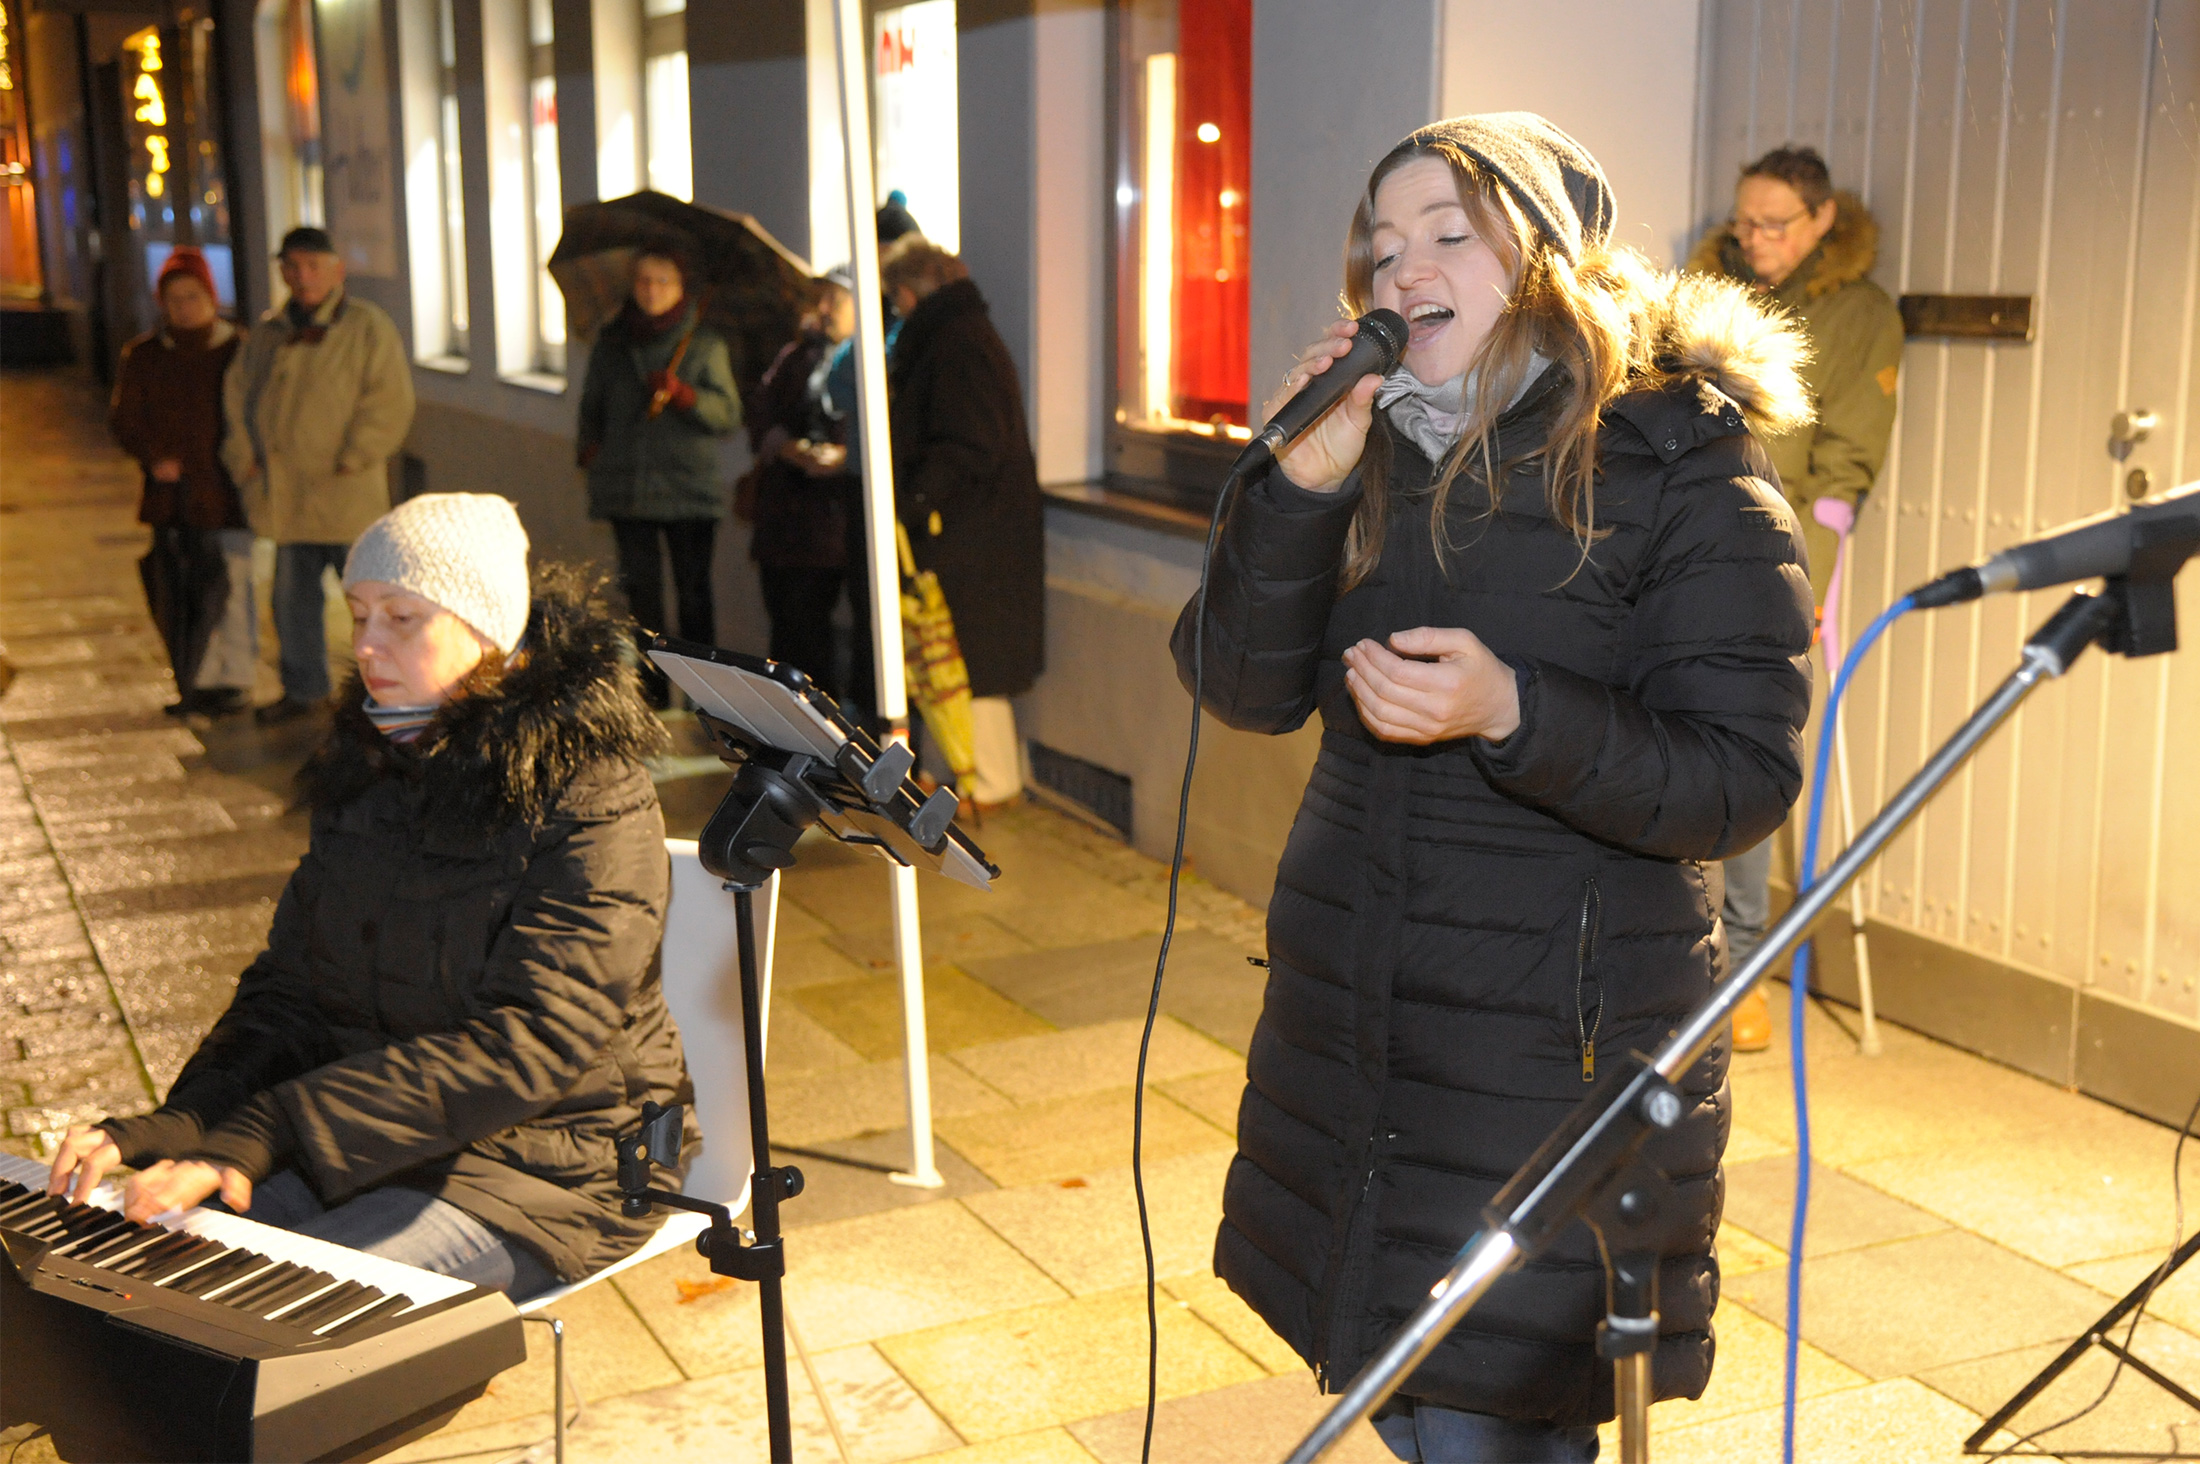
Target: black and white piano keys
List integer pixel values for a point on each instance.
(202, 1335)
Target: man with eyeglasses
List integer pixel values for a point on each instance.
(1811, 250)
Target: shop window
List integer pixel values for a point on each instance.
(20, 275)
(667, 149)
(449, 170)
(435, 197)
(547, 196)
(913, 96)
(205, 206)
(1183, 180)
(176, 192)
(520, 85)
(289, 84)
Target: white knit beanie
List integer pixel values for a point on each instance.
(465, 551)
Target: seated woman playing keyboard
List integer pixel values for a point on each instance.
(457, 1011)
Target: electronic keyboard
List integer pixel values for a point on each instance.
(204, 1336)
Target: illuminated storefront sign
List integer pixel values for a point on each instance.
(914, 87)
(151, 109)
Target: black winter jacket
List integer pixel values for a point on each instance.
(962, 463)
(459, 993)
(1459, 931)
(801, 521)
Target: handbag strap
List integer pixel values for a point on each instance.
(908, 555)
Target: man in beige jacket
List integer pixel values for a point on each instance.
(317, 400)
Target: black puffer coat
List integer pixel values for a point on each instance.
(1451, 925)
(966, 486)
(459, 993)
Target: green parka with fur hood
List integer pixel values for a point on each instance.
(460, 990)
(1856, 356)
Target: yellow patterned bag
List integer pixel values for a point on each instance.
(939, 682)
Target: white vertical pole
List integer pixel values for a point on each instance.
(878, 492)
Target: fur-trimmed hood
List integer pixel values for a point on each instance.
(1700, 327)
(1846, 254)
(505, 753)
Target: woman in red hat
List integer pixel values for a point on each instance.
(167, 413)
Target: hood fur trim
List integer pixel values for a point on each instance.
(1721, 332)
(1845, 255)
(505, 753)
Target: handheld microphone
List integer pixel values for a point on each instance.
(1376, 347)
(2105, 544)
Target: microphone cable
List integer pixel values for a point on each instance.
(1230, 486)
(1799, 998)
(1377, 344)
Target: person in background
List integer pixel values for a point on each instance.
(1808, 251)
(167, 413)
(658, 394)
(458, 1007)
(894, 218)
(317, 400)
(806, 509)
(967, 489)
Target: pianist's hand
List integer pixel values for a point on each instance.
(178, 1184)
(85, 1156)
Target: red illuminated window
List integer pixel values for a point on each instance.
(1183, 200)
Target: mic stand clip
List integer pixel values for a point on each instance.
(730, 1250)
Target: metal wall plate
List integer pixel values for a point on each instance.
(1975, 317)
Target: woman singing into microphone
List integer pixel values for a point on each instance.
(1553, 614)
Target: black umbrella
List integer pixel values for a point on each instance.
(750, 284)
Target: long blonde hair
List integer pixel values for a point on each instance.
(1582, 318)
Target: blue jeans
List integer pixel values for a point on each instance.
(300, 605)
(409, 1226)
(1430, 1435)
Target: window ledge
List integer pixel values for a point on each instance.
(448, 365)
(541, 381)
(1104, 502)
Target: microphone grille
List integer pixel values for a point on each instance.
(1387, 328)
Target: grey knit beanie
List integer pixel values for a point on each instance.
(1551, 176)
(465, 551)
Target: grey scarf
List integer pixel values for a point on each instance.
(1432, 417)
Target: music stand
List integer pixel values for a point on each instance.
(798, 761)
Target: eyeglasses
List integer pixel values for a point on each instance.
(1775, 229)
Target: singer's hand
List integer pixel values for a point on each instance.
(1446, 684)
(1327, 452)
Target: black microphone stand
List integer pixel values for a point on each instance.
(1590, 1169)
(783, 784)
(764, 1255)
(763, 1258)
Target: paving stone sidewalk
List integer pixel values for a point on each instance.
(1967, 1220)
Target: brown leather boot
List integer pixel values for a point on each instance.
(1753, 1023)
